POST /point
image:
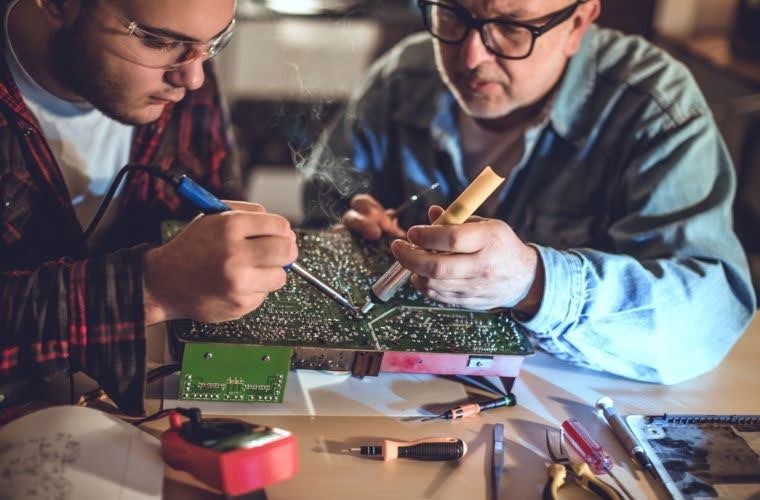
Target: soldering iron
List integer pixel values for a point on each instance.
(207, 203)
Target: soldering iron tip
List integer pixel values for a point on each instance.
(368, 306)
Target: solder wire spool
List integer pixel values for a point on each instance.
(458, 212)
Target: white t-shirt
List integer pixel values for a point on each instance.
(89, 147)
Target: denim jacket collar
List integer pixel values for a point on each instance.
(567, 113)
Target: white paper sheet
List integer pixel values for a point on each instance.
(69, 452)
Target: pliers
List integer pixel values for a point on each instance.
(561, 467)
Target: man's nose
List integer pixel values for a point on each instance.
(475, 52)
(189, 76)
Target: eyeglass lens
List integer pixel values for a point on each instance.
(162, 52)
(451, 24)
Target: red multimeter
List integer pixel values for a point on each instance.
(230, 455)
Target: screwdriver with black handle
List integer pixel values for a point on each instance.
(433, 448)
(471, 409)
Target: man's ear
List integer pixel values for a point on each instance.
(59, 13)
(586, 14)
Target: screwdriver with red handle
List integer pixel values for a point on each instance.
(433, 448)
(590, 451)
(471, 409)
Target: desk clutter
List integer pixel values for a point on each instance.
(73, 452)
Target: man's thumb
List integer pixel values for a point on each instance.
(434, 212)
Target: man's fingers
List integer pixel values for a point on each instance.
(434, 211)
(455, 287)
(370, 219)
(268, 251)
(358, 223)
(438, 266)
(250, 224)
(253, 281)
(462, 238)
(245, 206)
(365, 204)
(268, 280)
(454, 299)
(389, 224)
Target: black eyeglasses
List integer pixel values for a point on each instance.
(451, 23)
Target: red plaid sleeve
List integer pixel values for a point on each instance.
(85, 315)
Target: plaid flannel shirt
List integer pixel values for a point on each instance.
(62, 307)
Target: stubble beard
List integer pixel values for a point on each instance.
(475, 105)
(79, 70)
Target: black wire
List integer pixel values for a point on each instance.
(131, 167)
(155, 416)
(194, 414)
(161, 372)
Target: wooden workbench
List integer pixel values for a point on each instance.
(548, 391)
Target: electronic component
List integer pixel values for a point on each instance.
(298, 315)
(408, 334)
(238, 373)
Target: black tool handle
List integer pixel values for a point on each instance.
(507, 400)
(433, 451)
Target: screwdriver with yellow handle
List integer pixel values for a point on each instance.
(432, 448)
(471, 409)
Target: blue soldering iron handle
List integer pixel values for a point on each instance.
(198, 196)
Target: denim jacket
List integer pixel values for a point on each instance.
(625, 190)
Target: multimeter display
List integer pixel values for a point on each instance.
(223, 434)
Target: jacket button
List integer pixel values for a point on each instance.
(28, 132)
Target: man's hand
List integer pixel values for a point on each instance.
(219, 267)
(485, 264)
(370, 219)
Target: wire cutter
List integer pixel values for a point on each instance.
(561, 467)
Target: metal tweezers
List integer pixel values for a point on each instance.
(498, 458)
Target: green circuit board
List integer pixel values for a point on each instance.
(299, 315)
(224, 372)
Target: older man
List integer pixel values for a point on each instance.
(85, 87)
(611, 240)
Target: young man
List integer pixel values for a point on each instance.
(87, 86)
(611, 240)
